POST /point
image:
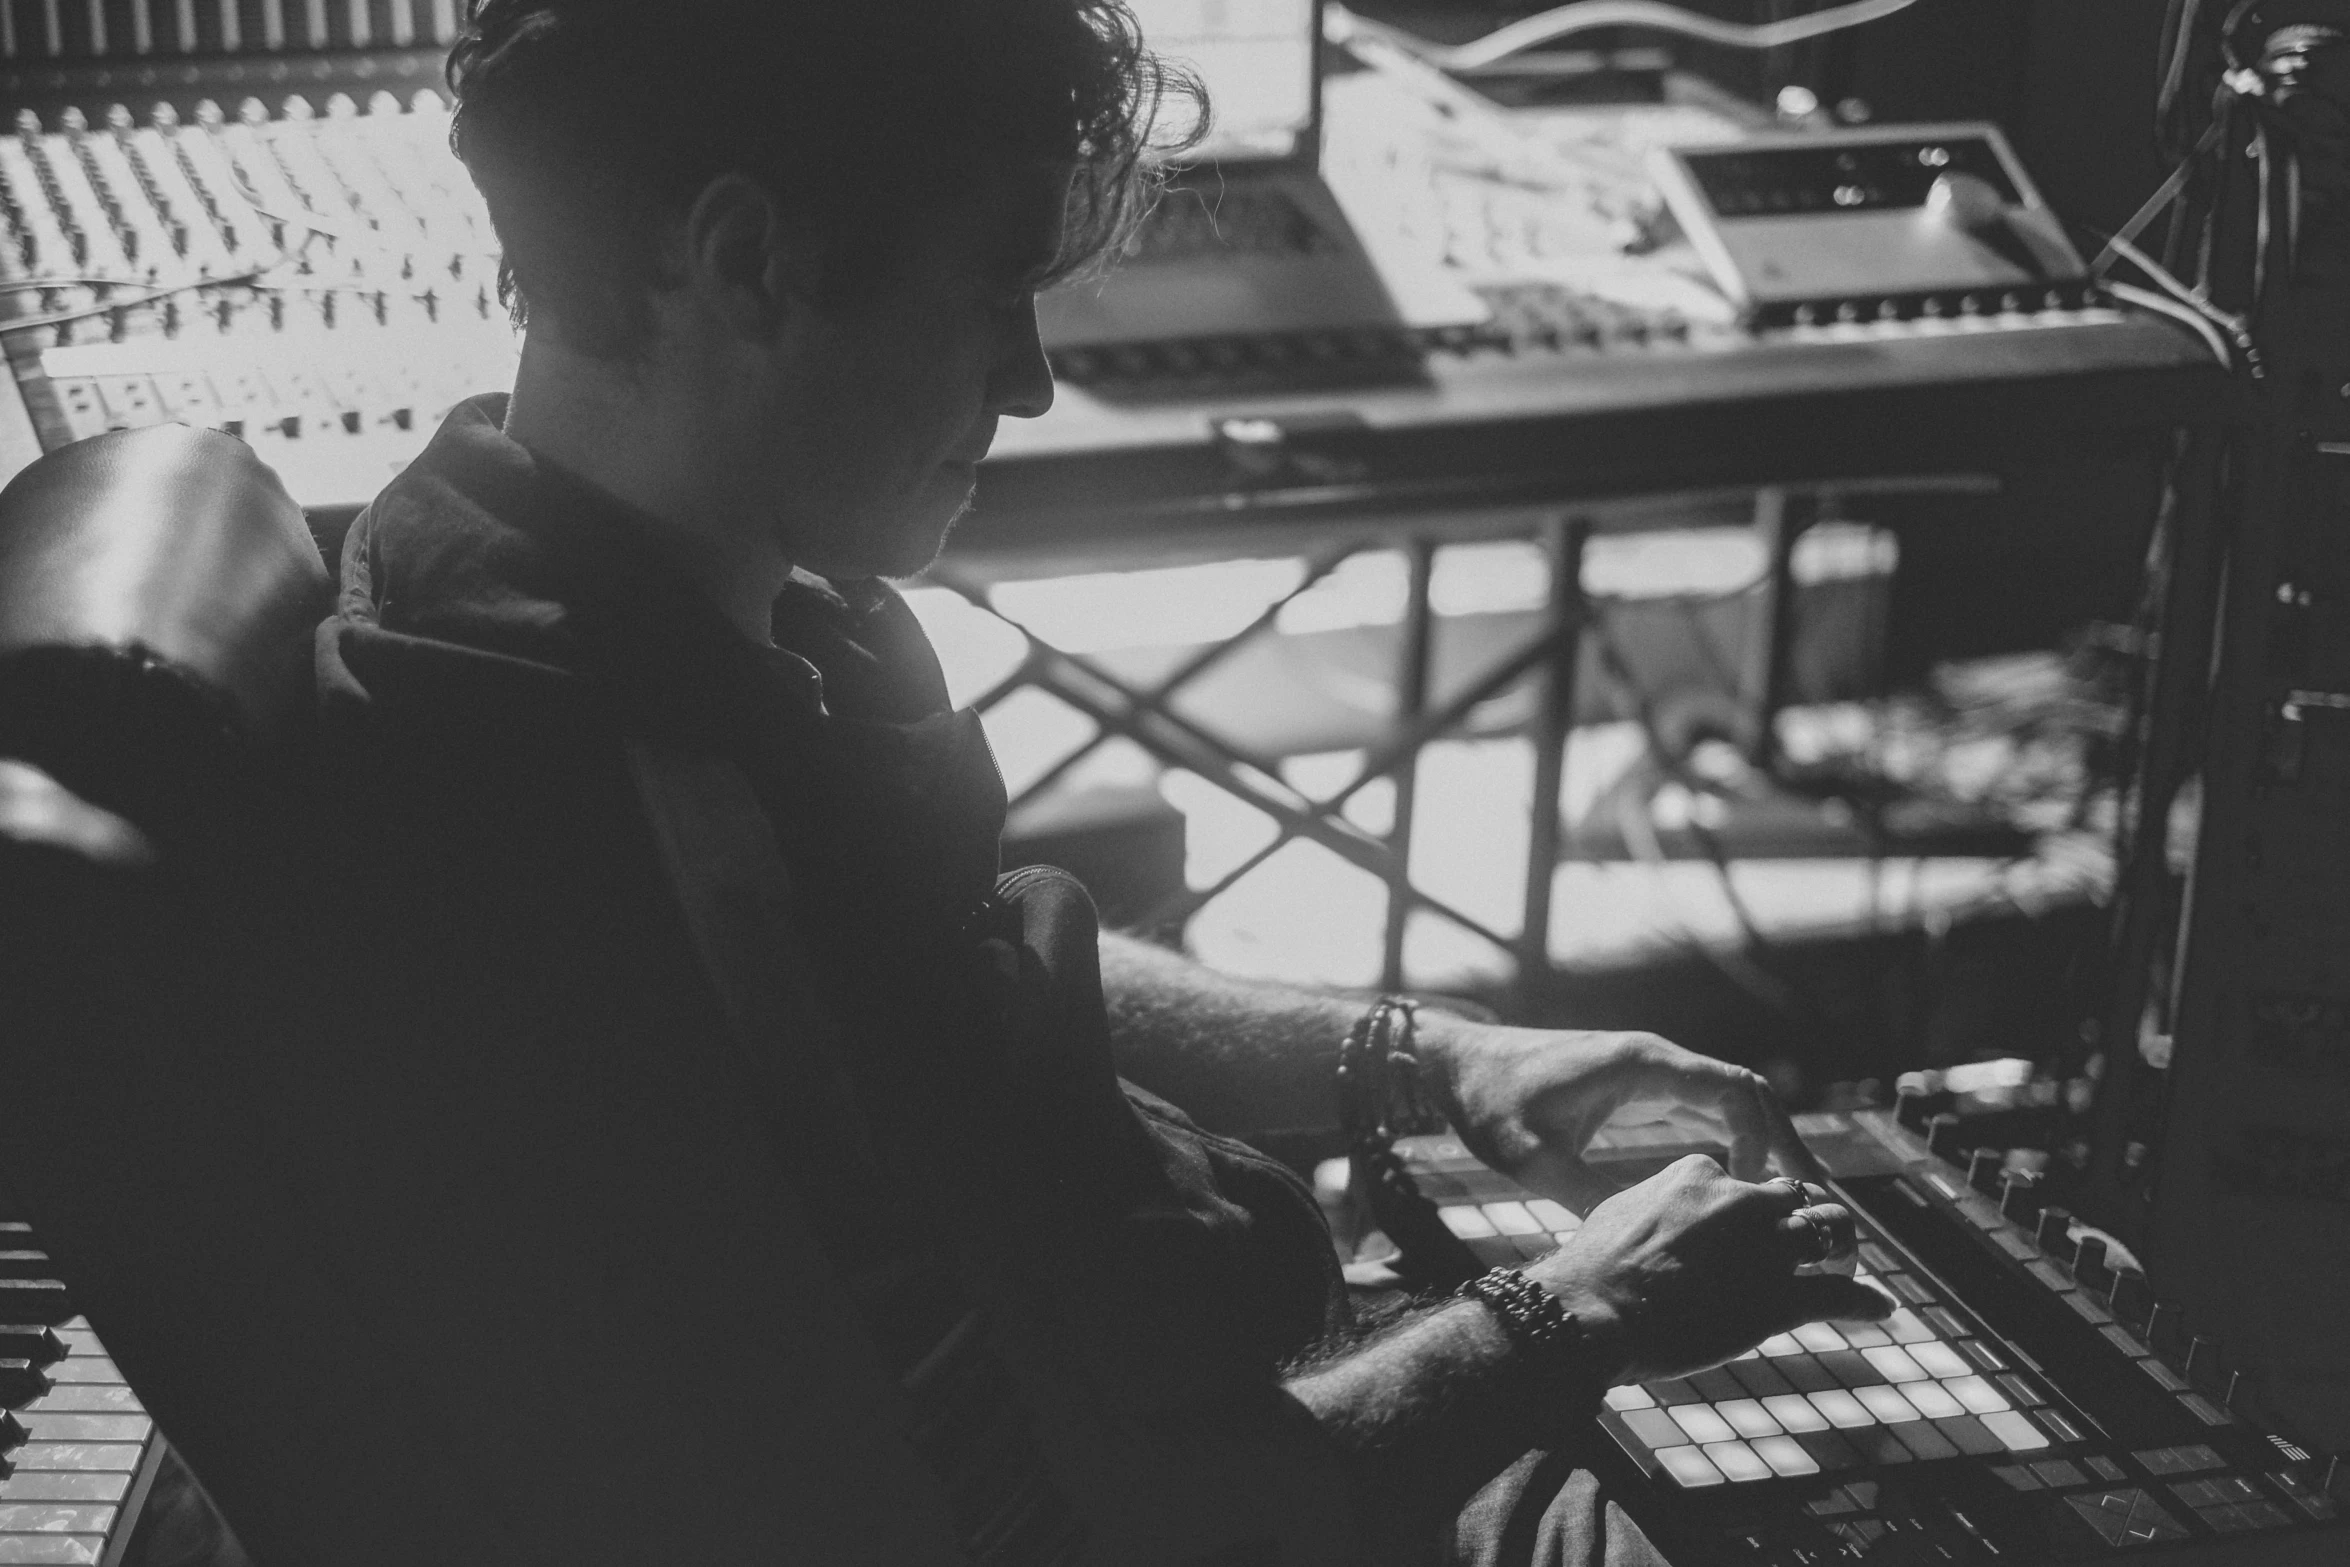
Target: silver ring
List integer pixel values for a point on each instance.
(1830, 1231)
(1806, 1194)
(1820, 1245)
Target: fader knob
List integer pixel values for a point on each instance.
(2089, 1258)
(2202, 1350)
(1982, 1170)
(1909, 1100)
(2054, 1231)
(2161, 1317)
(1942, 1135)
(2019, 1195)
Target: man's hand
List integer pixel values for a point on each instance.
(1527, 1101)
(1692, 1266)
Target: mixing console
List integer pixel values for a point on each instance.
(320, 283)
(2026, 1403)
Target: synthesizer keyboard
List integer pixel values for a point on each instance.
(77, 1452)
(319, 278)
(2012, 1410)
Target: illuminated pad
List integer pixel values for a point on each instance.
(1829, 1396)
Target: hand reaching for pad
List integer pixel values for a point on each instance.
(1692, 1267)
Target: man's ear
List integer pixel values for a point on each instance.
(745, 257)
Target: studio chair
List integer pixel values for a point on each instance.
(397, 1301)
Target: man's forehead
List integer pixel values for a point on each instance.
(1010, 218)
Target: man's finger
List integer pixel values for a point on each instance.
(1825, 1297)
(1757, 1122)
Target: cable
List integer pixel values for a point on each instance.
(2147, 299)
(254, 278)
(1584, 15)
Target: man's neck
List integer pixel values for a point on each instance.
(621, 428)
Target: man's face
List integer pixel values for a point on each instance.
(868, 418)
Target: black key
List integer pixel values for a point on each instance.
(1850, 1368)
(1807, 1374)
(36, 1342)
(26, 1265)
(21, 1382)
(35, 1300)
(12, 1432)
(1672, 1390)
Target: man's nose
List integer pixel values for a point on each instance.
(1022, 382)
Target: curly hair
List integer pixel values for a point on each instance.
(591, 125)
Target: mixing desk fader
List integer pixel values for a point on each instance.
(2013, 1409)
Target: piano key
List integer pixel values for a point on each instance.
(1887, 1404)
(13, 1431)
(83, 1428)
(1635, 1397)
(31, 1341)
(34, 1300)
(1796, 1412)
(36, 1518)
(1737, 1461)
(77, 1455)
(1863, 1335)
(1894, 1364)
(78, 1339)
(1702, 1424)
(88, 1399)
(1933, 1400)
(1760, 1377)
(1465, 1221)
(1786, 1456)
(1979, 1396)
(2016, 1430)
(1654, 1427)
(47, 1549)
(94, 1369)
(1940, 1360)
(1842, 1409)
(1689, 1467)
(1747, 1417)
(65, 1485)
(21, 1381)
(26, 1265)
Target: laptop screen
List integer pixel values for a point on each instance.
(1257, 59)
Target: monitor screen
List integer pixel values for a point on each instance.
(1257, 59)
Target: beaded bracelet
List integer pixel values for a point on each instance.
(1381, 1095)
(1537, 1324)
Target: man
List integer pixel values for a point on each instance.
(617, 647)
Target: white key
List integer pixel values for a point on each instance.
(1623, 1398)
(1786, 1456)
(1887, 1404)
(1513, 1218)
(1863, 1335)
(2020, 1435)
(1841, 1408)
(1466, 1222)
(1940, 1360)
(1893, 1364)
(1700, 1421)
(1689, 1467)
(1796, 1413)
(1747, 1417)
(1737, 1460)
(1979, 1396)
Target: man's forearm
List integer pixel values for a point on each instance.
(1237, 1055)
(1432, 1409)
